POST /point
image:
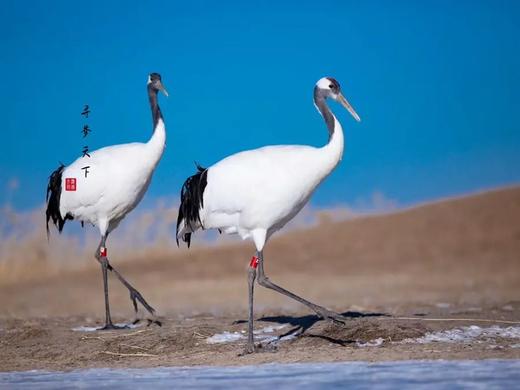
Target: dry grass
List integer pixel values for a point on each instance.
(26, 253)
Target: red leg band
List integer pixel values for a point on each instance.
(103, 251)
(254, 262)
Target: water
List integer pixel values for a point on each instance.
(438, 374)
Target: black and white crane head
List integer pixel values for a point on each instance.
(155, 82)
(328, 87)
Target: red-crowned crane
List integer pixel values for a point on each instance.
(256, 192)
(118, 177)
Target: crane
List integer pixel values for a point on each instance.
(118, 177)
(255, 193)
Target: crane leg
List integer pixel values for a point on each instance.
(320, 310)
(251, 276)
(109, 325)
(134, 294)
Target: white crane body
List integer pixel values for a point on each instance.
(256, 192)
(118, 177)
(261, 190)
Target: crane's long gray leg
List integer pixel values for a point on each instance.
(251, 276)
(134, 294)
(104, 266)
(320, 310)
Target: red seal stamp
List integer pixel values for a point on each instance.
(70, 184)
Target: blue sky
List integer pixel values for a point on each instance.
(436, 84)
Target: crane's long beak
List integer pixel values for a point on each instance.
(163, 90)
(347, 105)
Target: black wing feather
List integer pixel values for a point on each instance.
(53, 200)
(192, 201)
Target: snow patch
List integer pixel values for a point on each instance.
(466, 334)
(372, 343)
(94, 328)
(268, 329)
(85, 329)
(263, 334)
(225, 337)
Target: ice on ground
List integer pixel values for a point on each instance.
(462, 334)
(95, 328)
(433, 374)
(372, 343)
(225, 337)
(269, 329)
(466, 334)
(260, 334)
(85, 329)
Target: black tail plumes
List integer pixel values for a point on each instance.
(191, 201)
(53, 201)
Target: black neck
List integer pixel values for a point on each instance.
(319, 100)
(154, 106)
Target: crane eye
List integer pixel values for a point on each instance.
(331, 86)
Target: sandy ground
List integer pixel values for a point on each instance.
(444, 265)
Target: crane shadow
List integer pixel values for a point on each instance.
(300, 324)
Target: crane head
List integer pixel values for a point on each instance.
(329, 87)
(154, 80)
